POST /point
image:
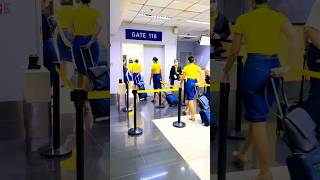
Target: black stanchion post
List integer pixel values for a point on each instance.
(178, 123)
(184, 94)
(135, 131)
(237, 133)
(55, 149)
(222, 145)
(127, 109)
(160, 104)
(79, 96)
(300, 103)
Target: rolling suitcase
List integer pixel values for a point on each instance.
(142, 96)
(207, 117)
(99, 79)
(171, 99)
(300, 135)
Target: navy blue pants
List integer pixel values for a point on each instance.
(313, 102)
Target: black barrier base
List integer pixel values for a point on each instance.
(135, 132)
(126, 109)
(160, 106)
(178, 124)
(50, 152)
(236, 135)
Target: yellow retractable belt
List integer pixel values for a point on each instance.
(157, 90)
(308, 73)
(169, 85)
(98, 94)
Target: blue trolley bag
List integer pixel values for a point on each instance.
(171, 99)
(142, 96)
(99, 78)
(204, 110)
(301, 136)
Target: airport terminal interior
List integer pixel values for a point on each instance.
(137, 119)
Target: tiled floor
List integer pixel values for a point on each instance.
(149, 156)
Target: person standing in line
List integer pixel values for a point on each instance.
(175, 72)
(191, 73)
(85, 27)
(130, 70)
(48, 27)
(64, 15)
(261, 28)
(136, 73)
(312, 36)
(156, 76)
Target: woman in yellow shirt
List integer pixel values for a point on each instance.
(85, 26)
(64, 38)
(191, 73)
(130, 69)
(261, 30)
(136, 71)
(156, 76)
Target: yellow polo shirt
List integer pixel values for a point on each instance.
(64, 16)
(85, 19)
(136, 68)
(156, 68)
(261, 29)
(130, 66)
(192, 71)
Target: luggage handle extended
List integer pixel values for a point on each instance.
(83, 59)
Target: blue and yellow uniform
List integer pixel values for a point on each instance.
(261, 29)
(136, 69)
(191, 72)
(64, 17)
(130, 71)
(84, 21)
(156, 75)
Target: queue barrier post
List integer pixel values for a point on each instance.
(222, 145)
(55, 149)
(237, 133)
(184, 94)
(127, 108)
(303, 78)
(78, 96)
(135, 131)
(179, 124)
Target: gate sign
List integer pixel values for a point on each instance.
(143, 35)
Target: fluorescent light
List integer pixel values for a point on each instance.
(188, 36)
(198, 22)
(155, 176)
(205, 41)
(155, 17)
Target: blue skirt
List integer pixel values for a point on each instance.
(64, 51)
(156, 81)
(191, 89)
(78, 43)
(136, 78)
(49, 53)
(254, 84)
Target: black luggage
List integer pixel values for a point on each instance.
(99, 79)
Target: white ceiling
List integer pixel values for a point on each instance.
(179, 11)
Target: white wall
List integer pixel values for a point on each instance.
(169, 41)
(19, 37)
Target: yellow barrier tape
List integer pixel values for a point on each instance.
(64, 78)
(157, 90)
(204, 85)
(215, 87)
(312, 74)
(169, 85)
(98, 95)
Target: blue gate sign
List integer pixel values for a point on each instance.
(143, 35)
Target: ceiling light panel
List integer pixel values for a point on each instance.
(198, 8)
(181, 5)
(151, 10)
(135, 7)
(141, 20)
(132, 13)
(139, 1)
(159, 3)
(170, 12)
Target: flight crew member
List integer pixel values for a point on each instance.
(312, 35)
(64, 38)
(48, 28)
(136, 72)
(85, 27)
(261, 28)
(175, 72)
(191, 73)
(130, 70)
(220, 28)
(156, 76)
